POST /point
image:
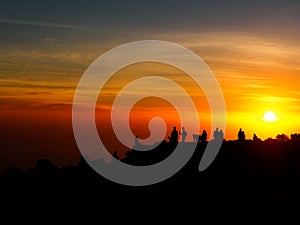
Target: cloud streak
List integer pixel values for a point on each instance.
(41, 24)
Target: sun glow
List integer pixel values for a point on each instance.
(270, 116)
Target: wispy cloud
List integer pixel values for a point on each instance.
(41, 24)
(267, 98)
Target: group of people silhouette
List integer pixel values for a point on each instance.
(173, 138)
(218, 135)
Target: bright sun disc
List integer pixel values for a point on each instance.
(270, 116)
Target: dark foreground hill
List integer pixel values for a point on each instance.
(244, 172)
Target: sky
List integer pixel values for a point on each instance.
(252, 47)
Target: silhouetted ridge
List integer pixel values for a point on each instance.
(251, 169)
(143, 158)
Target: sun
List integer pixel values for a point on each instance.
(270, 116)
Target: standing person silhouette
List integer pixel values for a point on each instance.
(216, 134)
(204, 136)
(183, 134)
(221, 135)
(174, 136)
(241, 135)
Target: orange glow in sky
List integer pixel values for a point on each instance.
(252, 48)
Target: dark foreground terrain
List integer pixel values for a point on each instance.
(243, 173)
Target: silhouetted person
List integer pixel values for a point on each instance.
(216, 134)
(221, 135)
(183, 134)
(255, 138)
(174, 136)
(204, 136)
(241, 135)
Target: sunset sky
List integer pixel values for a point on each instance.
(252, 47)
